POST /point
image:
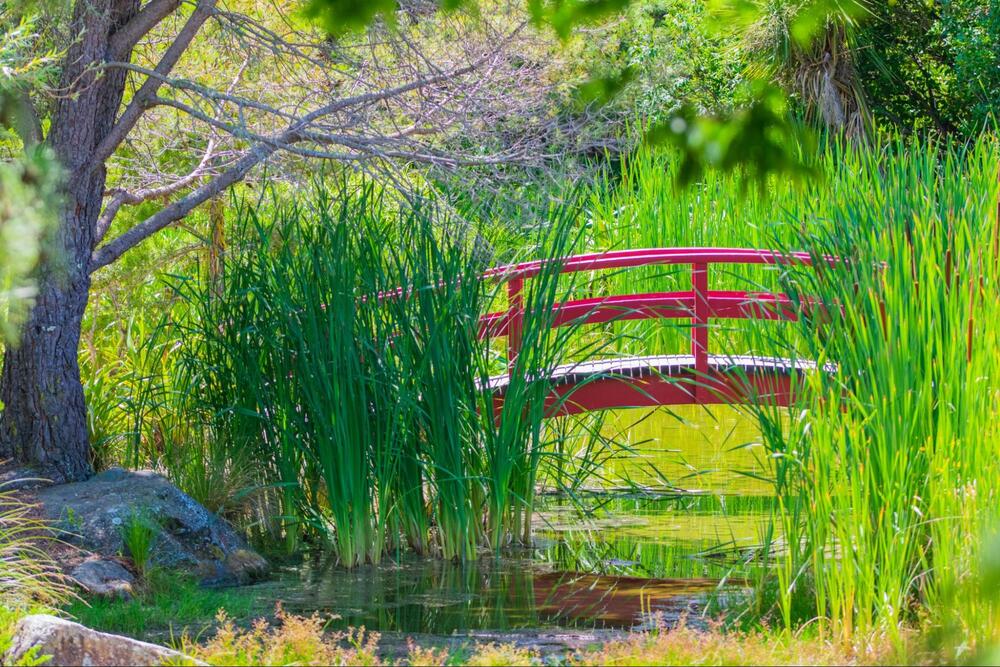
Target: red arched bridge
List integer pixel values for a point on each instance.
(699, 377)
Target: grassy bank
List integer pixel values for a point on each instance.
(165, 606)
(301, 641)
(280, 393)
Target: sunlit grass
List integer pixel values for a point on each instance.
(892, 460)
(883, 476)
(166, 604)
(301, 641)
(30, 582)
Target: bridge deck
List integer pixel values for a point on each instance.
(649, 381)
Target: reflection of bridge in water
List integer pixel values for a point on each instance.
(488, 595)
(645, 381)
(617, 601)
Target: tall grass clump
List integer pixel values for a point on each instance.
(519, 445)
(289, 366)
(342, 358)
(29, 580)
(893, 460)
(139, 533)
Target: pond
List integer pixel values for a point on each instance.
(620, 555)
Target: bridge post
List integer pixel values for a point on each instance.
(699, 326)
(515, 326)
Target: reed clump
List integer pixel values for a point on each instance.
(891, 463)
(342, 357)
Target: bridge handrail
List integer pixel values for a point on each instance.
(620, 259)
(701, 303)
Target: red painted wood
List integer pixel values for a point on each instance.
(515, 322)
(685, 389)
(722, 304)
(696, 384)
(699, 321)
(620, 259)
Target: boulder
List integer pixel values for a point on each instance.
(73, 644)
(189, 537)
(241, 567)
(104, 578)
(246, 565)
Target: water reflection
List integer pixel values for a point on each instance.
(697, 448)
(607, 559)
(428, 596)
(615, 601)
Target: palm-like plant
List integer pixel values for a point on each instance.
(809, 48)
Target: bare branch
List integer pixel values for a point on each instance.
(381, 102)
(122, 197)
(178, 209)
(150, 16)
(147, 92)
(207, 92)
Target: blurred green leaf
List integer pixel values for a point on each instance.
(340, 16)
(599, 90)
(564, 15)
(761, 139)
(813, 17)
(806, 19)
(28, 192)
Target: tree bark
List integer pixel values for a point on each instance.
(44, 421)
(44, 418)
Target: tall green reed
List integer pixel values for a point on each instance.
(895, 459)
(884, 472)
(343, 358)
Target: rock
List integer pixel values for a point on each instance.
(246, 565)
(104, 578)
(73, 644)
(190, 537)
(21, 478)
(239, 568)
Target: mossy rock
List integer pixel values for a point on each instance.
(190, 538)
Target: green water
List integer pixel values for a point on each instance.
(622, 554)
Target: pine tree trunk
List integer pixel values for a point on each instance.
(44, 418)
(44, 421)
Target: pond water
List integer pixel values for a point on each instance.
(621, 556)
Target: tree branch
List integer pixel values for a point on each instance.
(371, 116)
(150, 16)
(122, 197)
(211, 94)
(178, 209)
(147, 92)
(265, 147)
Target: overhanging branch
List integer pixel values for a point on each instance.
(147, 92)
(150, 16)
(178, 209)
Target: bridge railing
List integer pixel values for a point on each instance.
(700, 304)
